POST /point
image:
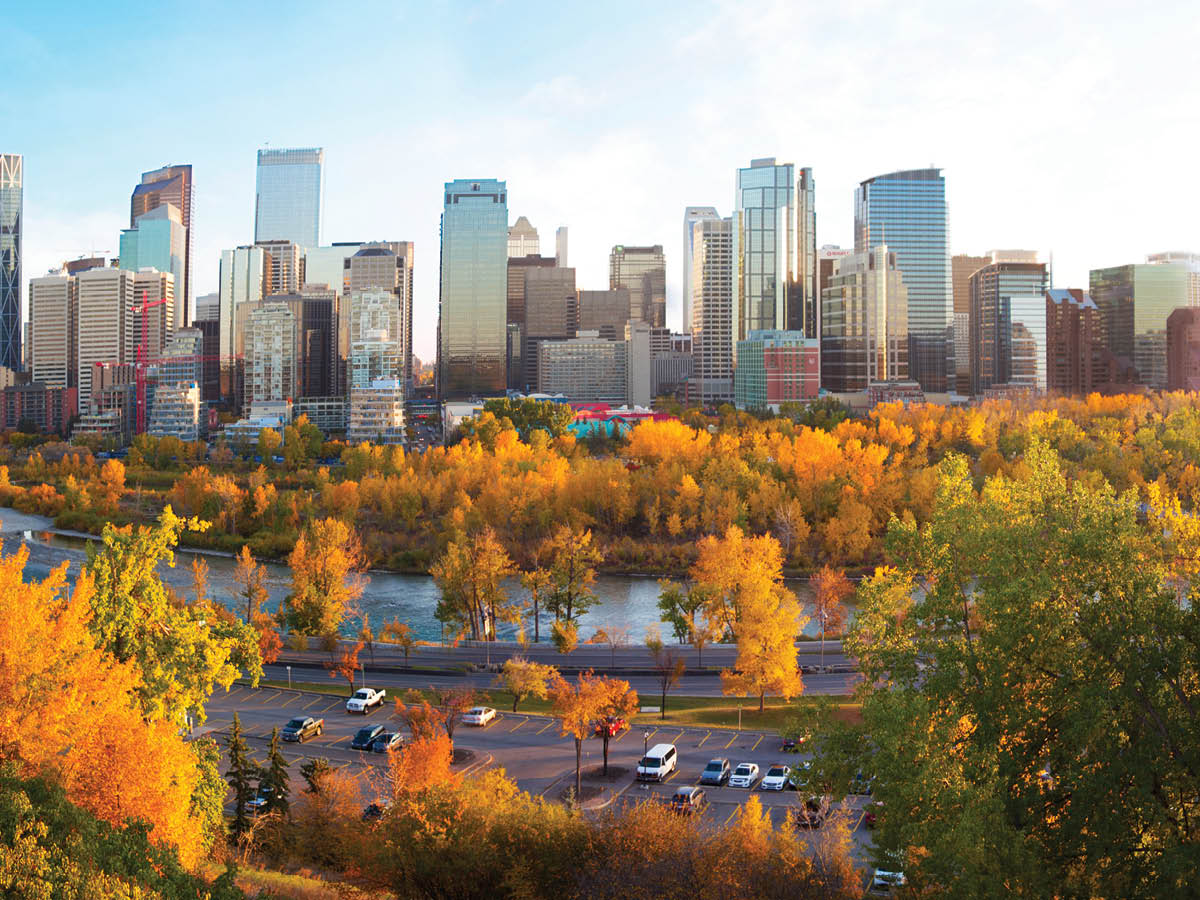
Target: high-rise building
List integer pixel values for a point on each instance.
(377, 413)
(827, 258)
(1008, 323)
(158, 241)
(289, 196)
(315, 313)
(764, 245)
(864, 327)
(83, 263)
(1183, 350)
(327, 265)
(285, 266)
(1135, 301)
(472, 303)
(514, 318)
(691, 215)
(643, 270)
(155, 290)
(804, 312)
(604, 312)
(272, 364)
(172, 185)
(586, 368)
(108, 329)
(207, 308)
(376, 328)
(639, 363)
(962, 267)
(243, 280)
(11, 214)
(560, 247)
(550, 313)
(776, 367)
(1074, 343)
(388, 265)
(523, 239)
(53, 318)
(713, 313)
(176, 411)
(907, 211)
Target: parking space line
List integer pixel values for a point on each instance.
(858, 824)
(547, 725)
(732, 739)
(313, 702)
(518, 725)
(332, 705)
(291, 699)
(335, 740)
(703, 739)
(677, 738)
(621, 735)
(731, 815)
(756, 743)
(651, 734)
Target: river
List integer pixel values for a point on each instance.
(623, 601)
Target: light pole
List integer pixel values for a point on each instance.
(739, 717)
(289, 668)
(645, 742)
(363, 668)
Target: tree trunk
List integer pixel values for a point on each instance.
(536, 632)
(662, 710)
(515, 701)
(606, 738)
(578, 772)
(822, 643)
(762, 698)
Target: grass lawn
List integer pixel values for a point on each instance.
(302, 885)
(692, 712)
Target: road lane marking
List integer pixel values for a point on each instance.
(732, 739)
(759, 741)
(313, 702)
(547, 725)
(291, 699)
(703, 739)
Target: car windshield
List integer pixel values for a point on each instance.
(366, 732)
(296, 723)
(776, 772)
(714, 766)
(384, 738)
(362, 695)
(743, 770)
(650, 762)
(683, 797)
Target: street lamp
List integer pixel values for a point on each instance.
(363, 668)
(289, 668)
(645, 742)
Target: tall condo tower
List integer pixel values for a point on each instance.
(691, 215)
(289, 196)
(907, 211)
(473, 295)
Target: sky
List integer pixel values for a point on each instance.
(1068, 127)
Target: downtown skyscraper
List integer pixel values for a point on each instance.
(907, 211)
(289, 196)
(764, 240)
(473, 290)
(691, 215)
(12, 203)
(169, 186)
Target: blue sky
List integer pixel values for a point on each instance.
(1062, 126)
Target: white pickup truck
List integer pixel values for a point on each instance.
(364, 700)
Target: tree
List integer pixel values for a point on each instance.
(199, 580)
(183, 652)
(453, 702)
(831, 588)
(527, 416)
(734, 570)
(573, 558)
(470, 575)
(688, 613)
(326, 564)
(313, 771)
(577, 706)
(275, 778)
(424, 764)
(524, 679)
(241, 770)
(535, 581)
(367, 637)
(766, 646)
(251, 581)
(616, 700)
(269, 440)
(421, 716)
(564, 635)
(1032, 708)
(345, 665)
(397, 632)
(668, 665)
(614, 636)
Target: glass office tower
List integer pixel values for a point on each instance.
(907, 211)
(289, 196)
(1002, 317)
(158, 240)
(691, 215)
(11, 202)
(764, 241)
(171, 185)
(473, 295)
(804, 312)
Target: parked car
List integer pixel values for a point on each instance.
(888, 878)
(261, 799)
(365, 736)
(792, 745)
(364, 700)
(688, 801)
(811, 813)
(871, 813)
(389, 740)
(716, 772)
(478, 715)
(658, 763)
(778, 778)
(613, 725)
(744, 776)
(801, 773)
(374, 811)
(301, 728)
(862, 784)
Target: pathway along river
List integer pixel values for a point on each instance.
(628, 601)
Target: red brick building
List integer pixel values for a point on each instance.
(1183, 350)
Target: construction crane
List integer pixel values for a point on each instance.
(140, 367)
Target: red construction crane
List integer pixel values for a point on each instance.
(140, 366)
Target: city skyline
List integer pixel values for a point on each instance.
(554, 128)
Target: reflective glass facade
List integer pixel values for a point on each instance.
(864, 327)
(804, 313)
(764, 238)
(691, 215)
(158, 241)
(174, 185)
(644, 271)
(996, 329)
(11, 203)
(1027, 345)
(907, 211)
(289, 196)
(472, 334)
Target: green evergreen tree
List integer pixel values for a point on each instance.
(275, 777)
(241, 770)
(313, 771)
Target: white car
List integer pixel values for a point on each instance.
(478, 715)
(778, 778)
(744, 776)
(884, 883)
(364, 699)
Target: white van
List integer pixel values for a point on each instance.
(659, 762)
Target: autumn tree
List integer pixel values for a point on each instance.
(689, 613)
(615, 701)
(250, 580)
(577, 707)
(831, 588)
(183, 652)
(241, 770)
(536, 580)
(572, 559)
(453, 703)
(523, 679)
(326, 564)
(613, 636)
(734, 571)
(564, 635)
(399, 633)
(313, 770)
(424, 764)
(345, 665)
(422, 717)
(668, 665)
(470, 575)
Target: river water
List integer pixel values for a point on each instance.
(624, 601)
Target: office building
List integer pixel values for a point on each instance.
(327, 265)
(177, 412)
(776, 367)
(523, 239)
(375, 327)
(560, 247)
(207, 308)
(108, 329)
(170, 185)
(764, 245)
(12, 194)
(672, 365)
(243, 280)
(53, 319)
(327, 413)
(691, 215)
(1183, 350)
(827, 258)
(285, 266)
(1074, 343)
(864, 325)
(1135, 301)
(156, 291)
(804, 306)
(289, 196)
(550, 313)
(514, 318)
(962, 267)
(585, 369)
(472, 303)
(181, 360)
(643, 271)
(316, 311)
(713, 313)
(907, 211)
(83, 263)
(388, 265)
(377, 413)
(639, 364)
(605, 312)
(1008, 323)
(158, 241)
